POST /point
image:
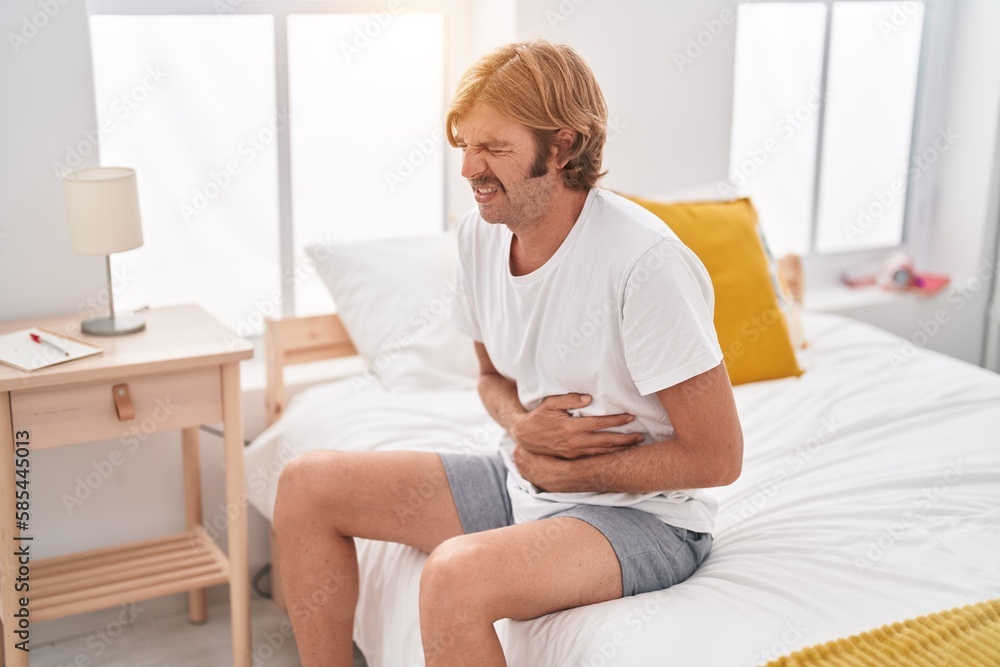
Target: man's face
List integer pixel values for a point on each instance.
(512, 184)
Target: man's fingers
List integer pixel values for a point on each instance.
(598, 422)
(567, 401)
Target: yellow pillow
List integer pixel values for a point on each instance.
(752, 330)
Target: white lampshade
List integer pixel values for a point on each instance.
(102, 204)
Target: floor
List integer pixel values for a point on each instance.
(140, 636)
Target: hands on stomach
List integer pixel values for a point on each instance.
(550, 430)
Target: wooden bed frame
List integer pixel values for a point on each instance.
(287, 342)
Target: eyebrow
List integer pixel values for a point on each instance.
(489, 141)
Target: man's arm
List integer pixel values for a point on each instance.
(706, 450)
(499, 394)
(549, 429)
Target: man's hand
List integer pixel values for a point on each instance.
(561, 475)
(705, 450)
(545, 472)
(550, 430)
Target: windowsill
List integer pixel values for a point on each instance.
(832, 298)
(835, 298)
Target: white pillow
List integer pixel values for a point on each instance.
(393, 296)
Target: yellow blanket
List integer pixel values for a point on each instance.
(963, 637)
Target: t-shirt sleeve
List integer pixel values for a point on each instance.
(461, 311)
(667, 326)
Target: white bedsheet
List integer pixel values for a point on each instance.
(869, 494)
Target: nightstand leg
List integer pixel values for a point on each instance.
(8, 561)
(197, 607)
(236, 501)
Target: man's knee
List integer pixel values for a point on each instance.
(456, 577)
(296, 492)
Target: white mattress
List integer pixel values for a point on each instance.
(869, 494)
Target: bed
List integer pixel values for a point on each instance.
(870, 494)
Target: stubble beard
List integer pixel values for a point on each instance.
(523, 208)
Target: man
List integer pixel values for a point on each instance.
(593, 327)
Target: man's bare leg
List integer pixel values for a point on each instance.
(325, 498)
(519, 572)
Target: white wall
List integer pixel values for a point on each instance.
(992, 353)
(669, 123)
(973, 106)
(47, 109)
(962, 230)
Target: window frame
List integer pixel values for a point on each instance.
(453, 12)
(824, 269)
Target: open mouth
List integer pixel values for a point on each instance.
(486, 192)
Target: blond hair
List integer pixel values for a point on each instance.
(545, 87)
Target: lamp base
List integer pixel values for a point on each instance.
(113, 325)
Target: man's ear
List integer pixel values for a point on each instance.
(561, 144)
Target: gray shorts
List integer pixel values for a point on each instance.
(653, 555)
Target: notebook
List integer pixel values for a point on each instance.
(19, 351)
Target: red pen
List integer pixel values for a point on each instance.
(38, 339)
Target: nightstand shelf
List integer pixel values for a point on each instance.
(103, 578)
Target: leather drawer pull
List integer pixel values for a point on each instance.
(123, 402)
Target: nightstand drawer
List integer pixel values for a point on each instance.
(85, 412)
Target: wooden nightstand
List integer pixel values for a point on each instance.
(182, 371)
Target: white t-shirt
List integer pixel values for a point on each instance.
(622, 310)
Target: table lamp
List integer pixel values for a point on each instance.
(102, 204)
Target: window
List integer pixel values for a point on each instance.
(823, 120)
(257, 127)
(368, 154)
(199, 126)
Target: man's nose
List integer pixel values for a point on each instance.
(473, 163)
